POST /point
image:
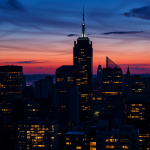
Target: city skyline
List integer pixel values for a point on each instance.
(40, 38)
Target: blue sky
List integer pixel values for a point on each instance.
(31, 30)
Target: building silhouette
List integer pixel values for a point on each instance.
(37, 134)
(66, 96)
(112, 87)
(43, 93)
(83, 69)
(137, 113)
(11, 81)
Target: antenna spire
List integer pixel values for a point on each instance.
(83, 25)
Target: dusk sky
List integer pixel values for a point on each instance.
(39, 34)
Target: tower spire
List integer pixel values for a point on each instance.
(83, 25)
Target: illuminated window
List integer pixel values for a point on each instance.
(78, 147)
(106, 146)
(107, 140)
(76, 139)
(92, 143)
(67, 139)
(92, 148)
(52, 138)
(116, 140)
(111, 146)
(67, 143)
(112, 140)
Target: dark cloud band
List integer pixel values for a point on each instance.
(123, 32)
(142, 13)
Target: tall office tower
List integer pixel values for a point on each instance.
(134, 84)
(11, 111)
(65, 73)
(99, 79)
(137, 113)
(43, 91)
(11, 80)
(138, 84)
(112, 87)
(127, 82)
(66, 96)
(37, 135)
(83, 67)
(99, 75)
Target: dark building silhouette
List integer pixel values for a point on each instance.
(65, 73)
(112, 87)
(43, 93)
(137, 113)
(125, 137)
(11, 81)
(11, 111)
(134, 84)
(37, 134)
(99, 79)
(66, 96)
(83, 69)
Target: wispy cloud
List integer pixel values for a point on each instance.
(138, 68)
(142, 13)
(72, 35)
(123, 32)
(11, 5)
(26, 62)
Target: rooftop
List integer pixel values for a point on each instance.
(65, 67)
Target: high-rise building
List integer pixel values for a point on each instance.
(124, 138)
(43, 92)
(83, 69)
(66, 96)
(137, 113)
(99, 76)
(11, 81)
(112, 87)
(37, 135)
(134, 84)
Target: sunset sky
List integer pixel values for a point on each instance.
(39, 34)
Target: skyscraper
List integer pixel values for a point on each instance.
(11, 81)
(112, 87)
(83, 67)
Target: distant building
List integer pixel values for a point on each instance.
(134, 84)
(34, 135)
(11, 81)
(75, 140)
(65, 73)
(124, 138)
(11, 111)
(112, 87)
(66, 96)
(83, 68)
(43, 93)
(137, 113)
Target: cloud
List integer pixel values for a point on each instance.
(11, 5)
(26, 62)
(41, 68)
(123, 32)
(138, 68)
(72, 35)
(142, 13)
